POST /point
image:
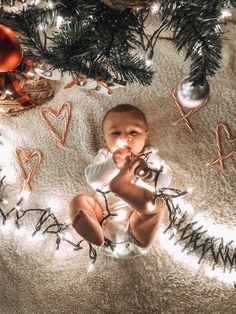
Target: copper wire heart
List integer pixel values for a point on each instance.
(28, 155)
(222, 157)
(55, 113)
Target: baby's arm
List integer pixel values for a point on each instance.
(101, 171)
(155, 162)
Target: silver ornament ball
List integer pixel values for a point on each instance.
(192, 96)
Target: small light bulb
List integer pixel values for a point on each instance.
(59, 21)
(141, 172)
(225, 13)
(20, 232)
(50, 5)
(149, 59)
(25, 194)
(148, 62)
(35, 239)
(8, 92)
(68, 221)
(7, 228)
(121, 214)
(151, 207)
(190, 190)
(61, 235)
(121, 143)
(18, 208)
(54, 205)
(155, 7)
(91, 267)
(30, 73)
(41, 27)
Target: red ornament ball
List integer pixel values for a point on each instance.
(10, 51)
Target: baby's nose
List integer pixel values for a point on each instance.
(126, 139)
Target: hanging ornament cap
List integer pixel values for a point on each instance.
(10, 51)
(54, 75)
(192, 96)
(122, 5)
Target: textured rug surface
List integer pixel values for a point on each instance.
(33, 279)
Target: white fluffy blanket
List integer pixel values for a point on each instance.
(35, 280)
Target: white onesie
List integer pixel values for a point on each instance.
(116, 228)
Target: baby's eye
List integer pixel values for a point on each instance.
(134, 132)
(115, 133)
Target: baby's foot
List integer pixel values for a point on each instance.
(89, 228)
(122, 179)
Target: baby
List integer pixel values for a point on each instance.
(121, 169)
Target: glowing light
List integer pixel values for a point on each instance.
(41, 27)
(7, 228)
(61, 235)
(216, 230)
(36, 239)
(54, 205)
(185, 207)
(91, 267)
(8, 92)
(25, 194)
(30, 73)
(121, 214)
(141, 172)
(50, 5)
(219, 274)
(10, 174)
(18, 208)
(151, 207)
(149, 62)
(121, 143)
(7, 151)
(68, 221)
(225, 13)
(155, 7)
(176, 250)
(118, 250)
(190, 190)
(20, 232)
(35, 2)
(60, 253)
(59, 21)
(4, 201)
(68, 236)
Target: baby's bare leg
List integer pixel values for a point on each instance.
(145, 226)
(143, 222)
(86, 213)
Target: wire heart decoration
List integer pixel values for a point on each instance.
(28, 155)
(220, 159)
(60, 139)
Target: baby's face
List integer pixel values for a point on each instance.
(127, 126)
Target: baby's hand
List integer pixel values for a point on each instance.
(120, 156)
(140, 168)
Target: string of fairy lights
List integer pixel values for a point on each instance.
(191, 236)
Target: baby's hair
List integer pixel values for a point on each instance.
(126, 108)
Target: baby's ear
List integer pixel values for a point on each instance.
(103, 139)
(146, 139)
